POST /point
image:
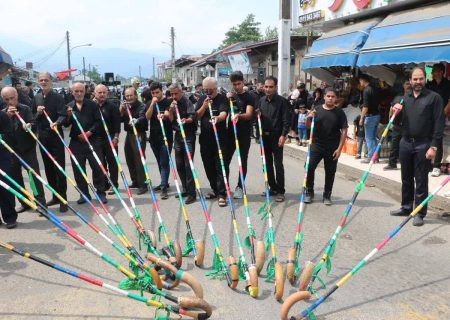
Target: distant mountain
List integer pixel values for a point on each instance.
(120, 61)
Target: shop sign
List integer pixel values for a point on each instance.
(312, 16)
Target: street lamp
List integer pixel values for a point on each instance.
(69, 53)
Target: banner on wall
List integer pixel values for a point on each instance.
(240, 62)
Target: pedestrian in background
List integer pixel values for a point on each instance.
(370, 115)
(441, 86)
(330, 132)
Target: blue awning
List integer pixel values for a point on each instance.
(5, 57)
(339, 47)
(415, 36)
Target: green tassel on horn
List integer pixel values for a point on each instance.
(270, 270)
(216, 267)
(268, 239)
(250, 234)
(189, 245)
(241, 267)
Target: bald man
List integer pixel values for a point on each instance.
(132, 157)
(21, 141)
(9, 214)
(88, 115)
(53, 104)
(112, 119)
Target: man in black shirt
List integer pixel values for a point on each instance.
(21, 141)
(330, 132)
(273, 109)
(397, 129)
(131, 148)
(207, 140)
(187, 115)
(29, 86)
(8, 212)
(370, 116)
(23, 98)
(243, 104)
(441, 86)
(156, 138)
(257, 94)
(111, 115)
(422, 129)
(56, 109)
(88, 115)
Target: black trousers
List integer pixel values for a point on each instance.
(133, 158)
(414, 170)
(109, 162)
(30, 158)
(211, 163)
(244, 146)
(82, 153)
(395, 149)
(162, 158)
(181, 159)
(274, 153)
(54, 177)
(9, 214)
(319, 152)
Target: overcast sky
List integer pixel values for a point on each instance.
(32, 30)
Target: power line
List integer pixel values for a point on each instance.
(51, 54)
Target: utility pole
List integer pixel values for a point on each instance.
(284, 47)
(172, 45)
(84, 70)
(153, 73)
(140, 76)
(68, 58)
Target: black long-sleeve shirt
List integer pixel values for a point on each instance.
(5, 128)
(88, 116)
(423, 117)
(18, 138)
(137, 110)
(187, 111)
(274, 115)
(54, 106)
(111, 114)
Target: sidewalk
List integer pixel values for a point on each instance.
(349, 163)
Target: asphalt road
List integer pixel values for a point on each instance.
(409, 279)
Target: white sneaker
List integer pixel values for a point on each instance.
(238, 193)
(436, 172)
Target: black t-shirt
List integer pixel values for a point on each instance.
(89, 118)
(328, 125)
(218, 105)
(240, 103)
(155, 128)
(371, 99)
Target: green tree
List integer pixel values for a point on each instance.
(271, 33)
(94, 75)
(247, 30)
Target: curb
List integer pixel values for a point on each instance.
(439, 204)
